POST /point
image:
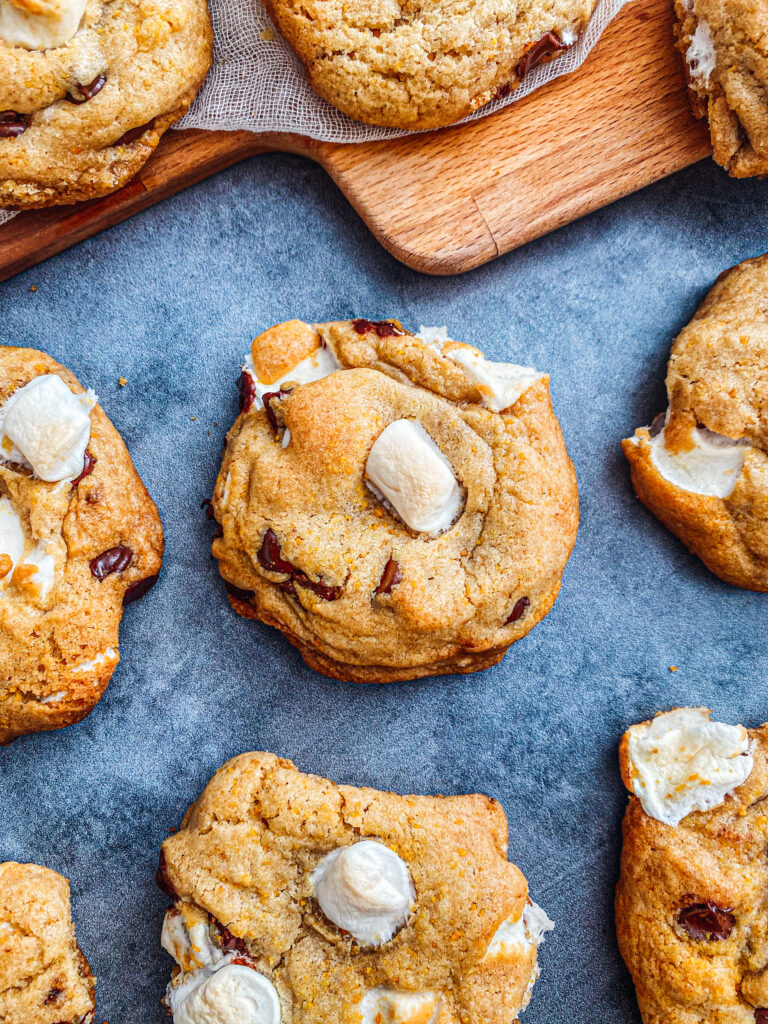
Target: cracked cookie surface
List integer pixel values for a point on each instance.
(243, 873)
(79, 119)
(691, 898)
(424, 64)
(44, 977)
(723, 46)
(74, 550)
(704, 470)
(311, 545)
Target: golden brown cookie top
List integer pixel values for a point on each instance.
(393, 503)
(690, 900)
(79, 538)
(276, 871)
(44, 977)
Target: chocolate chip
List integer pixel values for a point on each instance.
(706, 921)
(389, 578)
(384, 328)
(517, 612)
(12, 124)
(236, 592)
(270, 556)
(657, 425)
(246, 387)
(134, 133)
(323, 590)
(229, 942)
(162, 877)
(137, 590)
(271, 400)
(503, 91)
(207, 504)
(111, 561)
(53, 995)
(548, 45)
(88, 463)
(761, 1015)
(83, 93)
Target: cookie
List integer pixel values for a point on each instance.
(397, 508)
(726, 61)
(44, 977)
(702, 467)
(79, 538)
(87, 89)
(690, 902)
(295, 899)
(428, 63)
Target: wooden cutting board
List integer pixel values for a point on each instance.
(448, 201)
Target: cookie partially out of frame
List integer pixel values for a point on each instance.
(702, 467)
(723, 45)
(87, 89)
(44, 977)
(295, 899)
(428, 63)
(690, 902)
(397, 508)
(79, 538)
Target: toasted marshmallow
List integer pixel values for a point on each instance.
(682, 762)
(515, 937)
(225, 994)
(387, 1006)
(52, 23)
(366, 889)
(46, 427)
(500, 384)
(406, 467)
(701, 56)
(11, 541)
(320, 363)
(711, 467)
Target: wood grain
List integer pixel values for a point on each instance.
(448, 201)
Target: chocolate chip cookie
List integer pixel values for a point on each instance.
(79, 538)
(88, 87)
(723, 45)
(398, 507)
(690, 902)
(702, 467)
(44, 977)
(428, 63)
(297, 899)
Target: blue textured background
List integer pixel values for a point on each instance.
(170, 300)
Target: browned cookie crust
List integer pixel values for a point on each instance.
(81, 119)
(44, 977)
(691, 908)
(717, 379)
(305, 546)
(723, 46)
(428, 63)
(241, 864)
(58, 652)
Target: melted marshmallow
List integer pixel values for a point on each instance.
(387, 1006)
(102, 658)
(321, 363)
(42, 31)
(407, 468)
(701, 56)
(366, 889)
(517, 936)
(11, 538)
(682, 762)
(46, 427)
(710, 468)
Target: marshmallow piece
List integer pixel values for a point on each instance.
(110, 656)
(500, 384)
(53, 25)
(37, 571)
(321, 363)
(11, 540)
(701, 56)
(682, 762)
(187, 938)
(45, 426)
(406, 467)
(710, 468)
(229, 994)
(387, 1006)
(366, 889)
(513, 937)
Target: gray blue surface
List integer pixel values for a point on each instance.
(170, 300)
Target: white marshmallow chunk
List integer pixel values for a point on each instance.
(321, 363)
(710, 468)
(701, 56)
(45, 569)
(229, 994)
(529, 929)
(46, 427)
(387, 1006)
(683, 762)
(44, 31)
(11, 537)
(500, 384)
(102, 658)
(189, 944)
(366, 889)
(406, 467)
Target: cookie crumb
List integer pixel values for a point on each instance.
(33, 287)
(268, 35)
(673, 668)
(122, 381)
